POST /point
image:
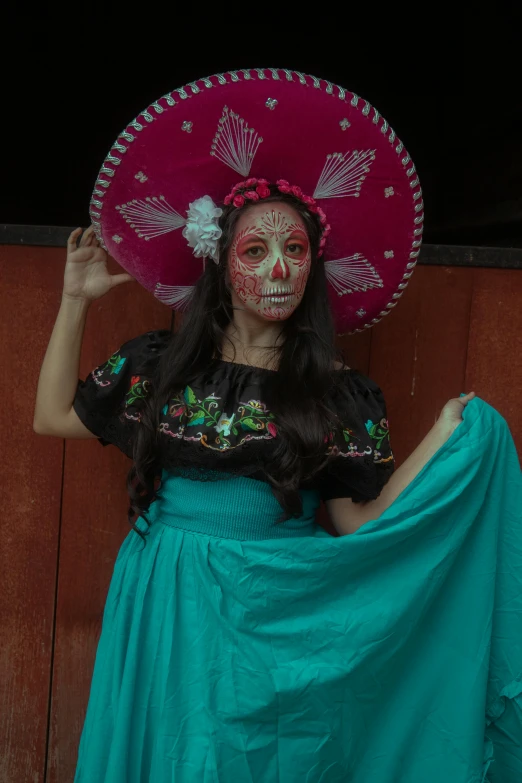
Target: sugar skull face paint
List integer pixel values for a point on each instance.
(269, 260)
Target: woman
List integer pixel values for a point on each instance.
(240, 641)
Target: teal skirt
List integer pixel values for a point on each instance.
(237, 650)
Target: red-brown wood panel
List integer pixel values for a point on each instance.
(494, 362)
(418, 354)
(31, 490)
(94, 524)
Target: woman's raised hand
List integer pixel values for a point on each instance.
(86, 276)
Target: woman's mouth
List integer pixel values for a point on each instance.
(278, 296)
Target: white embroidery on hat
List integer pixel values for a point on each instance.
(388, 254)
(187, 126)
(176, 296)
(361, 312)
(151, 217)
(388, 192)
(141, 176)
(271, 103)
(235, 144)
(351, 274)
(345, 124)
(343, 174)
(117, 239)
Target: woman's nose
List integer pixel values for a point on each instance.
(280, 270)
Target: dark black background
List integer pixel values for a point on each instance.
(446, 77)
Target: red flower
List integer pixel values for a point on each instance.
(285, 188)
(297, 192)
(228, 199)
(322, 243)
(238, 201)
(263, 182)
(282, 182)
(250, 182)
(321, 215)
(308, 200)
(252, 195)
(272, 429)
(135, 379)
(263, 191)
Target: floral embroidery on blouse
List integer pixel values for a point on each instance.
(138, 390)
(220, 430)
(378, 431)
(114, 364)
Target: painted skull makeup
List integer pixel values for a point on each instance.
(269, 260)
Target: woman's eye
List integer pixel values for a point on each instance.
(254, 252)
(294, 249)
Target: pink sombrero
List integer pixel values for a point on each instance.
(275, 124)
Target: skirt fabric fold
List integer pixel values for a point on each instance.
(237, 650)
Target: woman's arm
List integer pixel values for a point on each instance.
(347, 516)
(59, 373)
(86, 278)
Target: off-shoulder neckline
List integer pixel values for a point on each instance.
(266, 369)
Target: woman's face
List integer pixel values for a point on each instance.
(269, 260)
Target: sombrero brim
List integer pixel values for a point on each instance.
(276, 124)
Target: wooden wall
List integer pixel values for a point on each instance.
(64, 516)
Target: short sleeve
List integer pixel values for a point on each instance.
(108, 400)
(362, 460)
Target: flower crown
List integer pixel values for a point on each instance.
(256, 189)
(202, 230)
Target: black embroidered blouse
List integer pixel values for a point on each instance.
(220, 424)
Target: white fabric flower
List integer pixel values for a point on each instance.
(201, 230)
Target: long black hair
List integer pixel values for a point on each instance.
(295, 394)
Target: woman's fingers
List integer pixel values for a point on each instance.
(86, 239)
(73, 239)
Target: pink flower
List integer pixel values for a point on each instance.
(252, 195)
(250, 182)
(308, 200)
(263, 182)
(282, 182)
(313, 208)
(228, 199)
(319, 254)
(322, 243)
(238, 201)
(327, 230)
(263, 191)
(297, 192)
(272, 429)
(239, 186)
(321, 215)
(285, 188)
